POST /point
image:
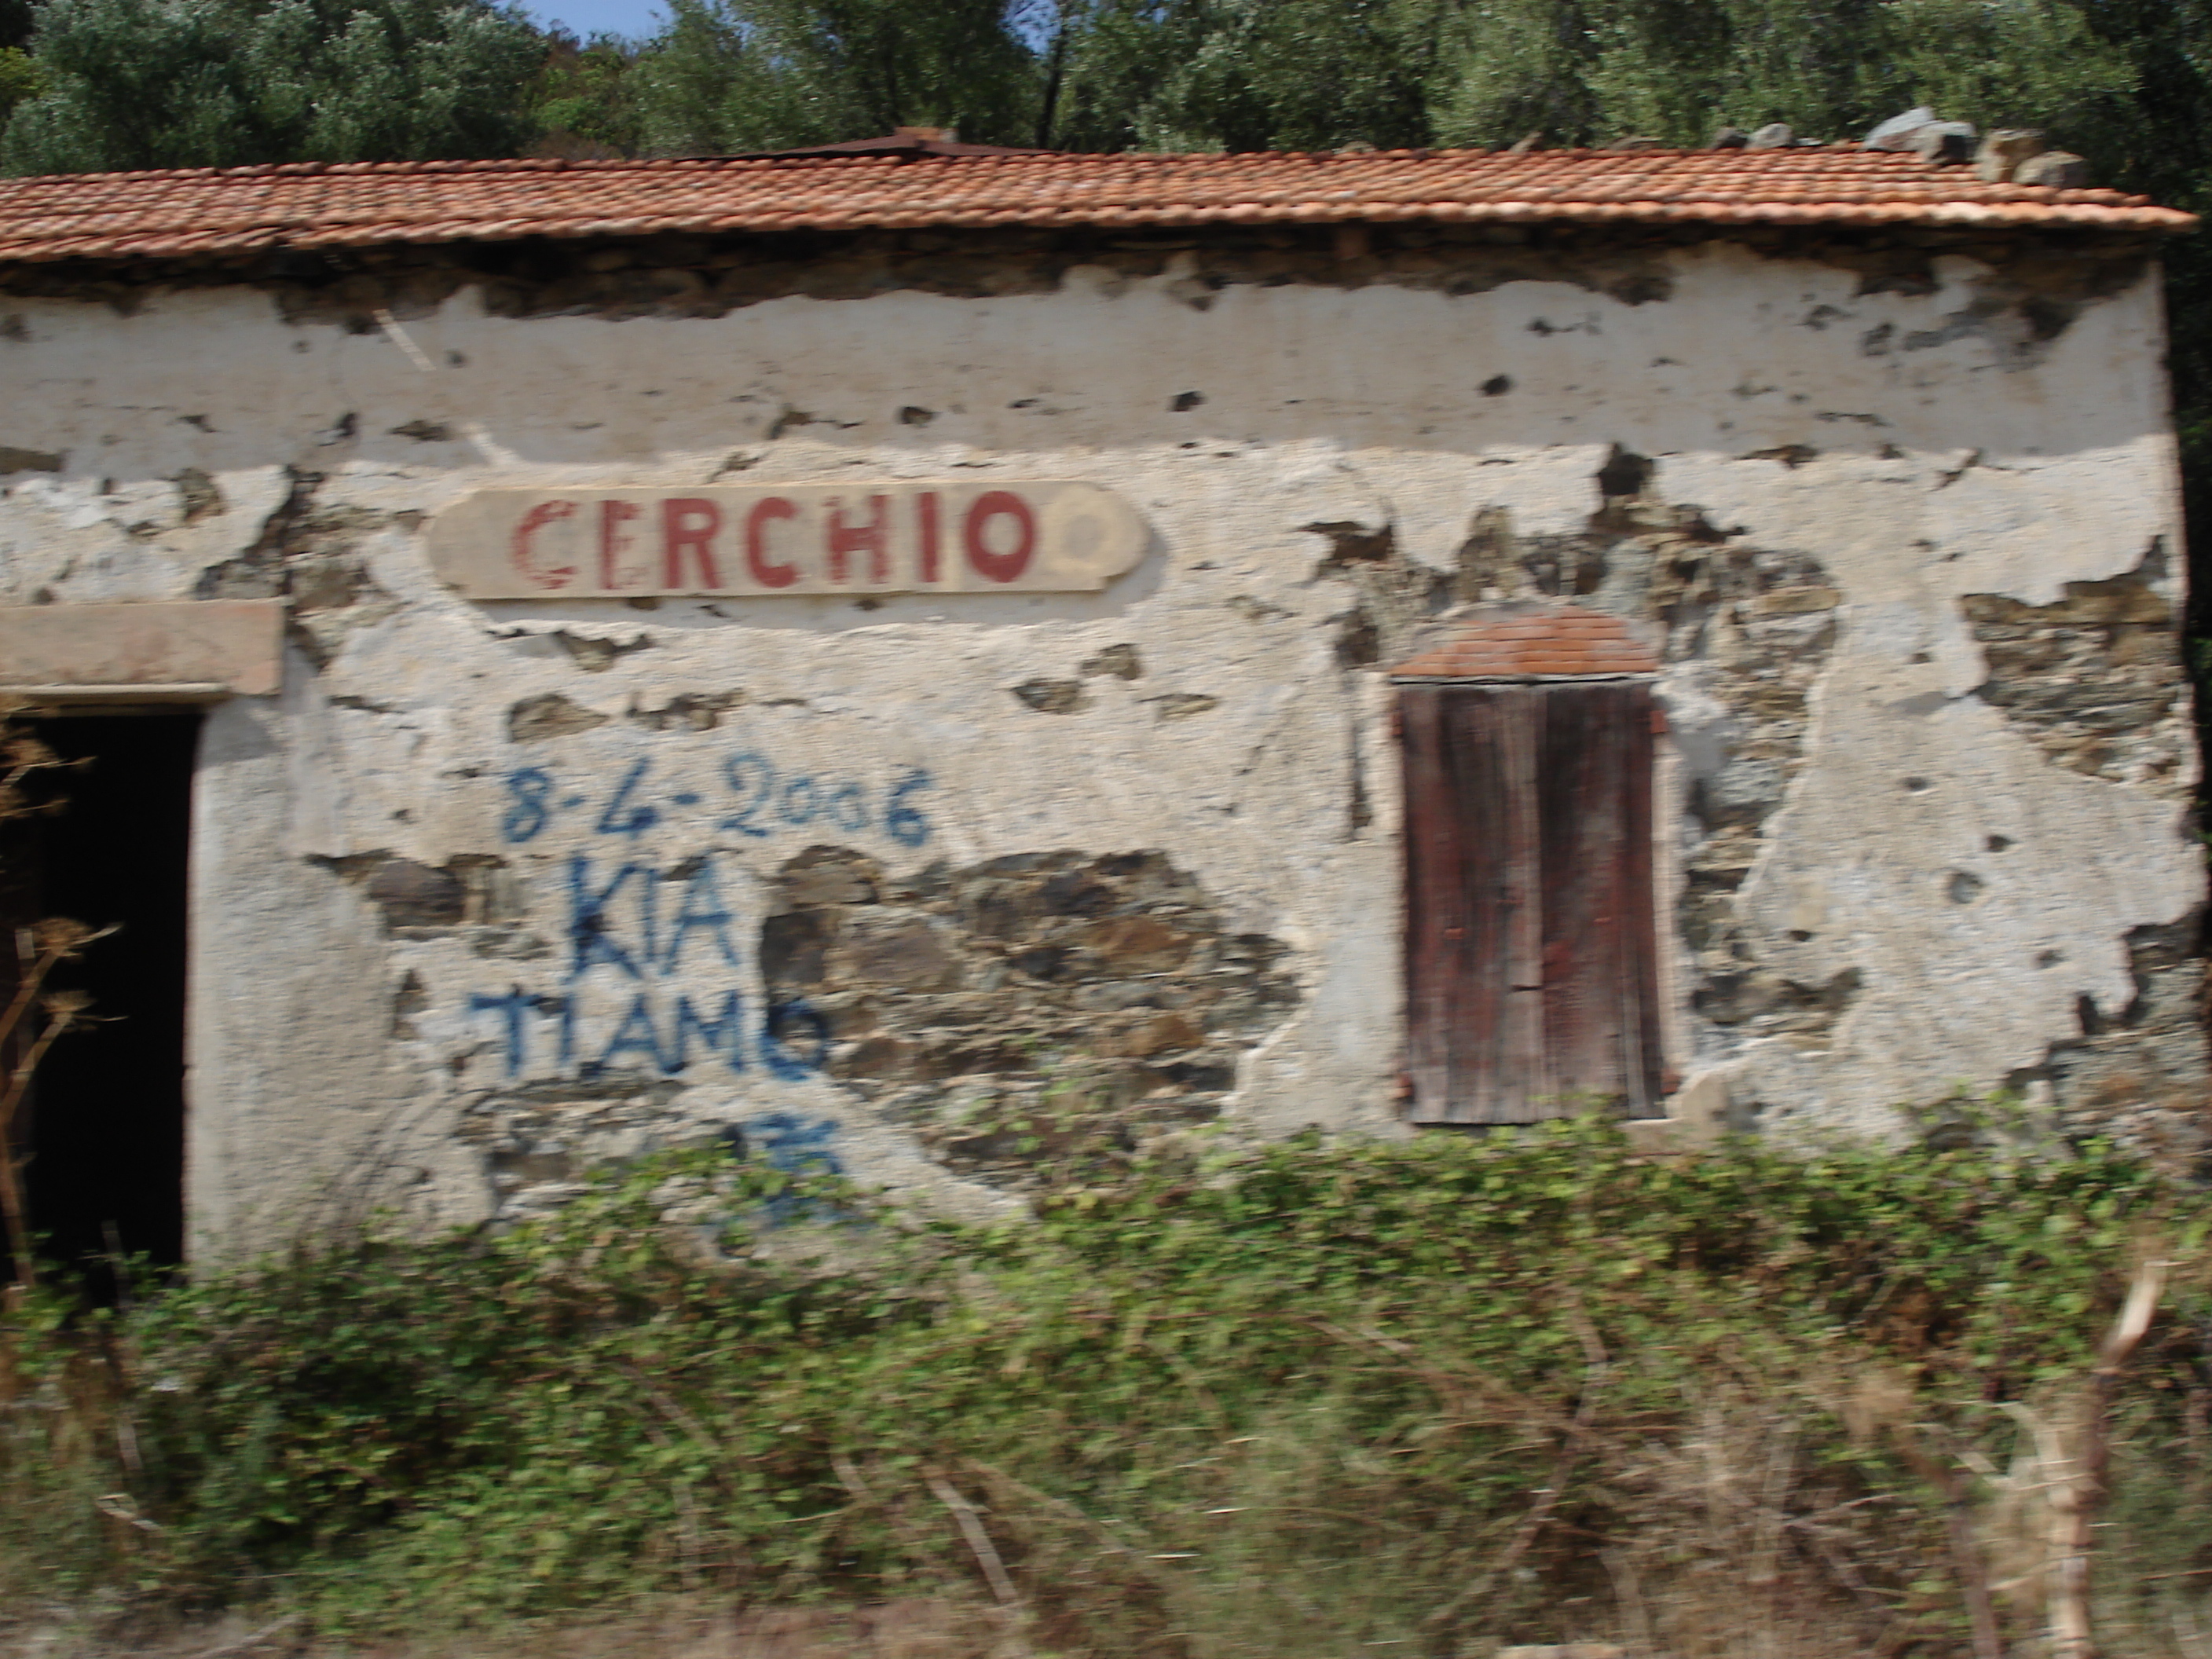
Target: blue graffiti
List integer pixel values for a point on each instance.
(622, 920)
(635, 1036)
(764, 801)
(666, 1041)
(590, 931)
(788, 1143)
(622, 818)
(776, 1050)
(700, 911)
(530, 786)
(514, 1009)
(723, 1035)
(795, 1146)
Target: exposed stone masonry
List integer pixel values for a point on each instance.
(1750, 627)
(2095, 681)
(1023, 1010)
(1021, 1015)
(309, 555)
(2136, 1075)
(478, 891)
(538, 1141)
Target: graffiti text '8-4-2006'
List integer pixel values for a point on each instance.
(749, 796)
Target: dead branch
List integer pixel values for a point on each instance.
(986, 1554)
(1839, 1565)
(56, 939)
(23, 755)
(253, 1641)
(674, 1412)
(1965, 1549)
(1595, 1364)
(849, 1477)
(1628, 1595)
(979, 1541)
(2075, 1498)
(1471, 1397)
(2076, 1487)
(998, 1477)
(64, 1009)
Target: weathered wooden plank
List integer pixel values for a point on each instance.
(1501, 737)
(1433, 903)
(1475, 937)
(1600, 999)
(1583, 832)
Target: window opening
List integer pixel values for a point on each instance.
(1532, 961)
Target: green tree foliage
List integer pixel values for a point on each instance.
(1249, 74)
(1085, 74)
(20, 80)
(583, 102)
(151, 84)
(690, 81)
(743, 74)
(1592, 72)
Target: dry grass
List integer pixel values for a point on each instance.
(1138, 1433)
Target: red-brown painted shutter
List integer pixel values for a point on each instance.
(1475, 942)
(1600, 936)
(1531, 953)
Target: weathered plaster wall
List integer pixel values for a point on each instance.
(938, 885)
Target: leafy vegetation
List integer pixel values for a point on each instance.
(156, 84)
(1283, 1403)
(183, 80)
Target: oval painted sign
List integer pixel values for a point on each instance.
(728, 542)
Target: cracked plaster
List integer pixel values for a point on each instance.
(1960, 457)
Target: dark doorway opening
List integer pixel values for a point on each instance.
(104, 1122)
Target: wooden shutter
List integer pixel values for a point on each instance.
(1531, 945)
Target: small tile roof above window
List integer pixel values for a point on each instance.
(205, 211)
(1528, 641)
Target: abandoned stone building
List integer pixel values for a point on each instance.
(920, 660)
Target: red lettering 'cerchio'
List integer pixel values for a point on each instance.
(930, 563)
(766, 511)
(874, 537)
(525, 557)
(612, 543)
(999, 504)
(686, 521)
(849, 535)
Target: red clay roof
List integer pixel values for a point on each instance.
(1509, 641)
(314, 205)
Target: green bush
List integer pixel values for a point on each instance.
(1285, 1402)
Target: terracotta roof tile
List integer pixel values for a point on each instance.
(1508, 641)
(319, 205)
